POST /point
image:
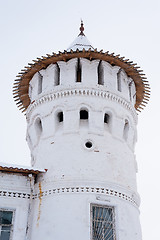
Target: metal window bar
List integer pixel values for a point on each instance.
(103, 223)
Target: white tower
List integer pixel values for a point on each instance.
(81, 114)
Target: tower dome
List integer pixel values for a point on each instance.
(81, 125)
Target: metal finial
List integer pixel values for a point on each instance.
(81, 29)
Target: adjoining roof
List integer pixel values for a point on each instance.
(84, 50)
(4, 167)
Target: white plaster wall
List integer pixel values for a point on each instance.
(89, 71)
(58, 211)
(66, 215)
(13, 196)
(132, 91)
(33, 87)
(49, 77)
(124, 85)
(111, 152)
(68, 72)
(110, 76)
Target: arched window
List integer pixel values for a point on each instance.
(126, 130)
(79, 71)
(60, 116)
(100, 74)
(106, 118)
(83, 114)
(38, 127)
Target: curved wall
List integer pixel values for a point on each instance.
(82, 128)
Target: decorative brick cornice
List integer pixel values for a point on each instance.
(133, 199)
(92, 190)
(14, 194)
(81, 92)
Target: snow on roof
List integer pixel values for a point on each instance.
(79, 43)
(5, 167)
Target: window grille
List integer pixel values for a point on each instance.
(6, 218)
(103, 223)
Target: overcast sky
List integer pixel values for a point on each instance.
(32, 28)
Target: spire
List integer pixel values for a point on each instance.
(81, 41)
(81, 29)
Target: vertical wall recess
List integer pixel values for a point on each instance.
(100, 74)
(119, 83)
(79, 71)
(132, 91)
(130, 96)
(57, 76)
(40, 81)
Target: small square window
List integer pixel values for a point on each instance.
(103, 222)
(6, 218)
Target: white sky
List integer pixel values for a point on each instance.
(32, 28)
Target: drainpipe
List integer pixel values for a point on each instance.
(31, 180)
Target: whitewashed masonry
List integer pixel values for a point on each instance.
(81, 128)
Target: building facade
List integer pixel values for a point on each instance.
(81, 110)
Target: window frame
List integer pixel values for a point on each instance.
(12, 223)
(113, 218)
